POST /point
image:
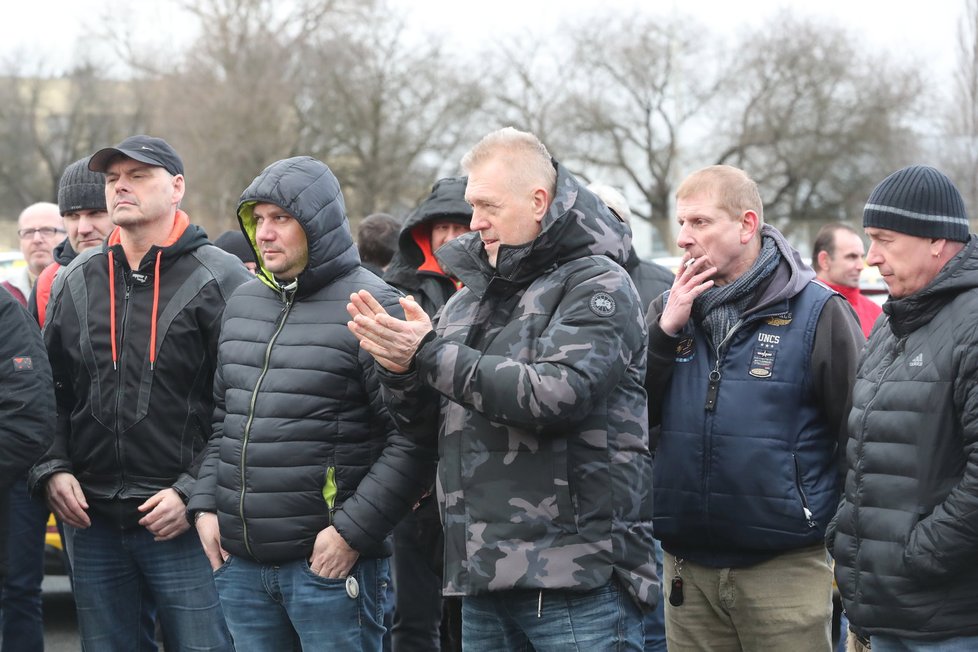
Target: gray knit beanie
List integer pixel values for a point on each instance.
(81, 189)
(918, 200)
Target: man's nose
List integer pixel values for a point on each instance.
(872, 256)
(478, 223)
(683, 240)
(262, 232)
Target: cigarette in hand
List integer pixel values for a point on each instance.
(689, 262)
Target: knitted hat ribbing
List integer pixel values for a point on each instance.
(81, 189)
(918, 200)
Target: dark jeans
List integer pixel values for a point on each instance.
(115, 571)
(417, 590)
(269, 606)
(20, 605)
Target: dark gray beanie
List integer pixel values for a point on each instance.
(918, 200)
(81, 189)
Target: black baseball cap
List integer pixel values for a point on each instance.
(145, 149)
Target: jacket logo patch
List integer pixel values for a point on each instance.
(762, 362)
(140, 278)
(779, 320)
(602, 304)
(767, 338)
(23, 363)
(917, 361)
(685, 350)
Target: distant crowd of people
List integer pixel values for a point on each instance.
(491, 425)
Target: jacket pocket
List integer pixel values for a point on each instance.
(805, 508)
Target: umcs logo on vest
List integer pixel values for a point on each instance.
(764, 355)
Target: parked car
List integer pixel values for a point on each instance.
(9, 260)
(55, 557)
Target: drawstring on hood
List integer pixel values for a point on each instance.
(180, 223)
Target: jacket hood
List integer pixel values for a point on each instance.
(446, 202)
(309, 191)
(577, 224)
(789, 278)
(960, 274)
(63, 253)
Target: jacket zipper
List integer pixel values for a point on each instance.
(119, 452)
(251, 417)
(711, 401)
(801, 492)
(714, 387)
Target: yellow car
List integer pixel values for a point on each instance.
(55, 559)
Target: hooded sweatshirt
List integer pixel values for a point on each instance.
(133, 354)
(414, 269)
(790, 360)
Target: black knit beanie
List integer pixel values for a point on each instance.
(81, 189)
(918, 200)
(235, 242)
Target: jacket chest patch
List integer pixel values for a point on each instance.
(764, 355)
(685, 349)
(23, 363)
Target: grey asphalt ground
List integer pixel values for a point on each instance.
(60, 623)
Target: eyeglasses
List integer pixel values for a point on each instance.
(45, 231)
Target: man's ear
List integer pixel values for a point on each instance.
(178, 189)
(750, 224)
(540, 200)
(822, 261)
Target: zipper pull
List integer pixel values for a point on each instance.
(676, 596)
(809, 517)
(711, 391)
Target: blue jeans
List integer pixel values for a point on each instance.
(894, 644)
(20, 605)
(116, 571)
(655, 619)
(600, 620)
(271, 606)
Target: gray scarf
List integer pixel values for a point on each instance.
(720, 307)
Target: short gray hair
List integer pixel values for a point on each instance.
(527, 158)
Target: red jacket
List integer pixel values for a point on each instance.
(866, 309)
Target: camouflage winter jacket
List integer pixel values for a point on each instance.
(533, 386)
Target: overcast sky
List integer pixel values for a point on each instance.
(51, 29)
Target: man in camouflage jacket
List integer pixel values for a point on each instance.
(532, 381)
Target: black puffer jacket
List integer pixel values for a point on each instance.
(650, 279)
(134, 414)
(26, 403)
(301, 438)
(414, 269)
(905, 538)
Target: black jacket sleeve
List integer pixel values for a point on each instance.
(839, 341)
(26, 392)
(395, 482)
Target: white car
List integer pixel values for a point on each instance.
(10, 260)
